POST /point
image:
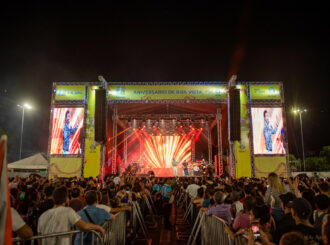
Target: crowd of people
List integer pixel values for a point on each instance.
(269, 210)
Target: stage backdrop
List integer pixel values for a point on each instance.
(156, 153)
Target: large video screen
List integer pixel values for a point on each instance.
(66, 128)
(268, 131)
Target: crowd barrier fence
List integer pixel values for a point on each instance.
(206, 230)
(115, 230)
(45, 239)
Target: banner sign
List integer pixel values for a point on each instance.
(265, 165)
(265, 92)
(64, 167)
(242, 148)
(167, 92)
(70, 92)
(92, 151)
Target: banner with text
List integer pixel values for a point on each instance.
(70, 92)
(92, 151)
(265, 92)
(167, 92)
(242, 148)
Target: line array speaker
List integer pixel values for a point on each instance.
(100, 115)
(235, 114)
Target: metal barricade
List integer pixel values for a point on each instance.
(46, 239)
(196, 228)
(151, 201)
(138, 220)
(213, 231)
(115, 230)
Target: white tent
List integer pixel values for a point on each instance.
(34, 162)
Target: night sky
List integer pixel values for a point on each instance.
(163, 41)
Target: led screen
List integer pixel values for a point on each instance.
(66, 128)
(268, 131)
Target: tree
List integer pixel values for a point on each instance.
(315, 164)
(295, 163)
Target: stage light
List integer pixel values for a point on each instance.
(134, 123)
(162, 123)
(149, 123)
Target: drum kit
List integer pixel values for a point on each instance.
(198, 168)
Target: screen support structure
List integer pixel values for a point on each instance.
(193, 150)
(219, 158)
(209, 144)
(125, 149)
(232, 159)
(114, 140)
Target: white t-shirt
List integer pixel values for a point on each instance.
(239, 208)
(116, 180)
(17, 220)
(192, 190)
(105, 207)
(58, 219)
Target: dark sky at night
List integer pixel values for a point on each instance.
(163, 41)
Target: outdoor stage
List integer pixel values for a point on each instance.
(152, 124)
(151, 139)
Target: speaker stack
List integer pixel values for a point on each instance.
(100, 115)
(235, 114)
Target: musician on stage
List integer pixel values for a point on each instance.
(196, 170)
(175, 170)
(185, 168)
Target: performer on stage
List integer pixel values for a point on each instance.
(175, 170)
(185, 168)
(196, 170)
(268, 132)
(67, 132)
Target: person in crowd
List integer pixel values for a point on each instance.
(48, 203)
(301, 210)
(272, 196)
(326, 231)
(322, 211)
(91, 213)
(287, 219)
(198, 200)
(207, 199)
(293, 237)
(192, 188)
(237, 206)
(325, 188)
(76, 204)
(242, 221)
(167, 193)
(220, 209)
(61, 218)
(19, 227)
